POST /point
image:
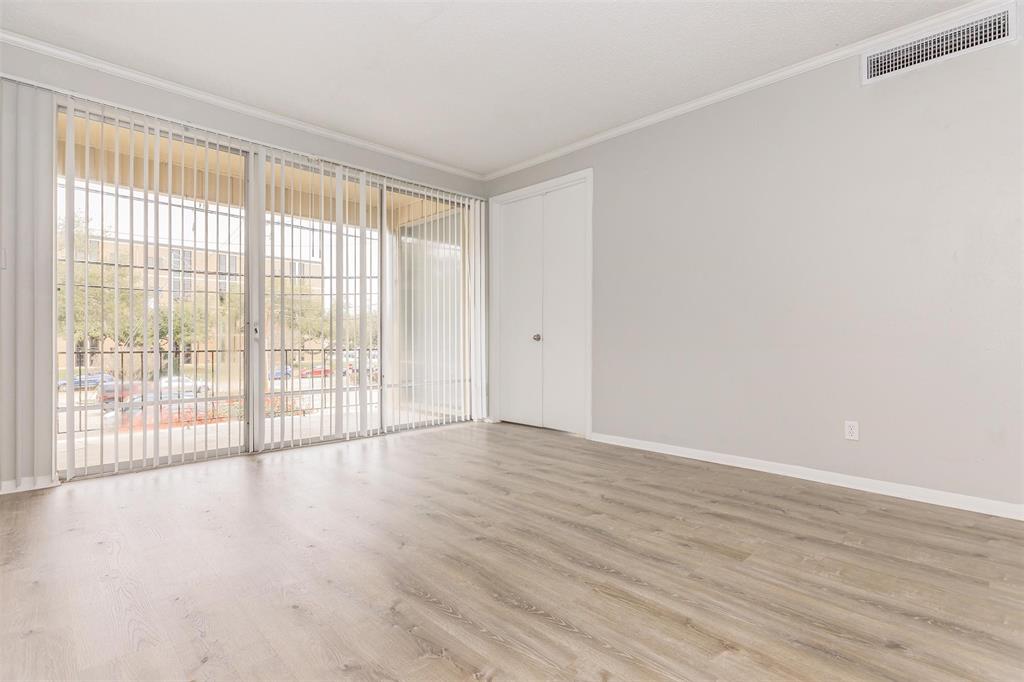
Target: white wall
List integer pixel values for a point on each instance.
(21, 63)
(815, 251)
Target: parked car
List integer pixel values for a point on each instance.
(178, 385)
(316, 372)
(110, 392)
(279, 373)
(80, 381)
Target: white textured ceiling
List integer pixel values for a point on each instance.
(478, 86)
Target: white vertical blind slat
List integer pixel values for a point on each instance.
(26, 287)
(338, 306)
(69, 250)
(102, 163)
(363, 261)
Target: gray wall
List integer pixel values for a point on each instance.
(815, 251)
(21, 63)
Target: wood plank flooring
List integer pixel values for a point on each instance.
(499, 552)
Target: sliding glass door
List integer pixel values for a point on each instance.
(322, 303)
(218, 297)
(150, 272)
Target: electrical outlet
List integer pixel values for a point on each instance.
(851, 430)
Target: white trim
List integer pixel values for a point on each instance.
(909, 37)
(585, 176)
(853, 50)
(50, 50)
(943, 498)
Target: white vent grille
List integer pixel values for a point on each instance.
(988, 30)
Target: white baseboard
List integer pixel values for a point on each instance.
(27, 483)
(907, 492)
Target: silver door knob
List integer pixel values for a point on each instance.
(536, 337)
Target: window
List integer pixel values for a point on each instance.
(181, 285)
(181, 273)
(227, 267)
(181, 259)
(155, 299)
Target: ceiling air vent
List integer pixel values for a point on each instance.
(993, 27)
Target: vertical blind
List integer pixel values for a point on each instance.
(216, 296)
(150, 321)
(26, 287)
(431, 301)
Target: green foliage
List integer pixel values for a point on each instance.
(107, 307)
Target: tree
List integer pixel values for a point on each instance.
(106, 307)
(306, 319)
(104, 292)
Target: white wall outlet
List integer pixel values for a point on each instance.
(851, 430)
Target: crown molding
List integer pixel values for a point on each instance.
(852, 50)
(50, 50)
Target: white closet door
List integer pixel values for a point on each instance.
(521, 283)
(565, 337)
(541, 244)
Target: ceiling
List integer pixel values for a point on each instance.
(477, 86)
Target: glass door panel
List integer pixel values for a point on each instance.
(321, 303)
(150, 293)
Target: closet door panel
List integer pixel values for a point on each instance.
(564, 309)
(521, 284)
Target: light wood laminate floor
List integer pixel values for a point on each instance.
(504, 552)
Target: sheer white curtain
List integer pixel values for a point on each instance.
(26, 287)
